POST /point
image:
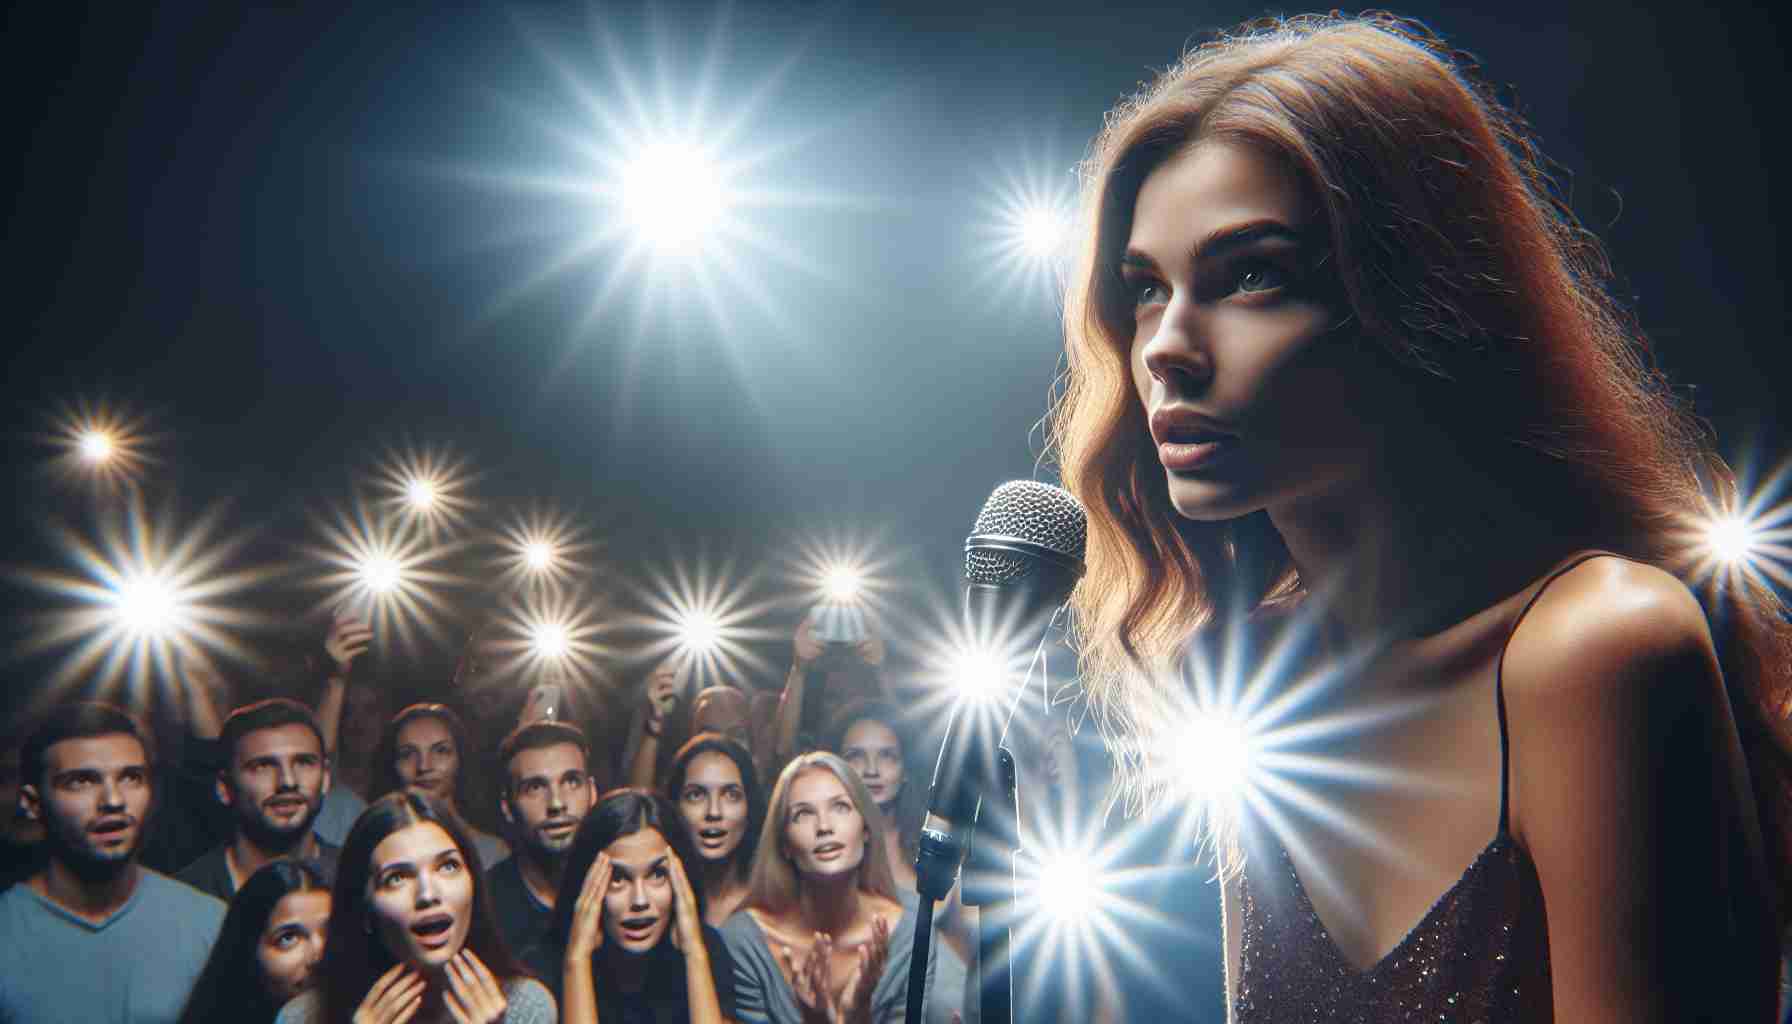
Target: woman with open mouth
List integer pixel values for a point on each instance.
(268, 948)
(825, 933)
(411, 936)
(632, 945)
(716, 789)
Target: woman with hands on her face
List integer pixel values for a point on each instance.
(632, 947)
(826, 936)
(411, 934)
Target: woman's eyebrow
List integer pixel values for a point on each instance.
(1222, 240)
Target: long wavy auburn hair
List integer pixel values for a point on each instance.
(1456, 262)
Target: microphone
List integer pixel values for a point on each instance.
(1023, 557)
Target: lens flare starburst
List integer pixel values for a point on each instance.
(1028, 230)
(102, 443)
(144, 595)
(386, 569)
(428, 486)
(1744, 534)
(706, 618)
(540, 551)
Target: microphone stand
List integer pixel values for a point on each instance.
(990, 885)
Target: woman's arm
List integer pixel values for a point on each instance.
(578, 989)
(805, 650)
(1629, 791)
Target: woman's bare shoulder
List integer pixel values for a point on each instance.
(1598, 624)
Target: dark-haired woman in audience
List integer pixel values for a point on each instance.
(873, 737)
(425, 748)
(825, 934)
(268, 947)
(411, 934)
(716, 789)
(632, 947)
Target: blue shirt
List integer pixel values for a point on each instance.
(135, 967)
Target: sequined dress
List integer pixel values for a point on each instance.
(1480, 954)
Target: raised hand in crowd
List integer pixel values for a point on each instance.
(587, 935)
(394, 998)
(346, 640)
(660, 696)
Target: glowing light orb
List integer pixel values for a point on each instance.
(551, 640)
(673, 193)
(978, 675)
(538, 555)
(1732, 539)
(1213, 757)
(843, 583)
(421, 494)
(148, 606)
(1068, 888)
(1042, 231)
(382, 574)
(700, 632)
(96, 446)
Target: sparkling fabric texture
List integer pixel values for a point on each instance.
(1480, 955)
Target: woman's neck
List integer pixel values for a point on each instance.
(830, 905)
(626, 971)
(1408, 554)
(721, 878)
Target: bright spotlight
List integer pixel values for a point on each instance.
(978, 675)
(421, 494)
(673, 193)
(1067, 888)
(1212, 758)
(1731, 539)
(551, 641)
(843, 583)
(538, 555)
(1042, 231)
(430, 485)
(96, 446)
(699, 632)
(148, 606)
(381, 574)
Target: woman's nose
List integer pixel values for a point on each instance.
(1175, 358)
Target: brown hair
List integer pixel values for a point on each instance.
(774, 883)
(1456, 263)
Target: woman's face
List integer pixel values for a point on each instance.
(1250, 402)
(824, 834)
(873, 750)
(427, 757)
(293, 942)
(714, 804)
(638, 904)
(421, 895)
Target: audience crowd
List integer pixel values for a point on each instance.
(306, 852)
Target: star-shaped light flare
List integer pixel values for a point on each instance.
(386, 569)
(143, 597)
(707, 619)
(100, 442)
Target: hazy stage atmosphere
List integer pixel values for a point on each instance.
(632, 332)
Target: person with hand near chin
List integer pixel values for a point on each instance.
(411, 935)
(631, 946)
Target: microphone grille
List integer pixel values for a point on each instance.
(1031, 511)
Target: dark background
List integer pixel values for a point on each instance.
(245, 222)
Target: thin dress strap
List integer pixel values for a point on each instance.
(1499, 683)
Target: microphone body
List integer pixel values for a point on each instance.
(1022, 559)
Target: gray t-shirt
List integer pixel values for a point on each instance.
(135, 967)
(341, 807)
(762, 996)
(527, 1002)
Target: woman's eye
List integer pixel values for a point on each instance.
(285, 939)
(1146, 293)
(1268, 275)
(451, 866)
(693, 795)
